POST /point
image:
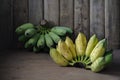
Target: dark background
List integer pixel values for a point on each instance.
(101, 17)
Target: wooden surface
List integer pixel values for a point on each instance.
(24, 65)
(99, 17)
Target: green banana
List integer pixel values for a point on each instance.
(91, 44)
(59, 31)
(30, 32)
(49, 41)
(22, 38)
(64, 50)
(69, 30)
(32, 41)
(99, 50)
(59, 59)
(36, 49)
(21, 29)
(41, 41)
(81, 44)
(98, 64)
(71, 46)
(108, 57)
(54, 36)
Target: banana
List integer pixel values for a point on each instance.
(59, 31)
(41, 41)
(99, 50)
(64, 50)
(30, 32)
(108, 57)
(21, 29)
(57, 58)
(98, 64)
(69, 30)
(81, 44)
(22, 38)
(54, 36)
(71, 46)
(36, 49)
(32, 41)
(49, 41)
(91, 44)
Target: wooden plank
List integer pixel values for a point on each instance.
(35, 11)
(112, 24)
(51, 11)
(20, 16)
(81, 17)
(97, 21)
(5, 24)
(66, 13)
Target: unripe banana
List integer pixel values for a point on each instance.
(41, 41)
(91, 44)
(21, 29)
(59, 59)
(99, 50)
(59, 31)
(49, 41)
(22, 38)
(30, 32)
(81, 44)
(71, 46)
(98, 64)
(54, 36)
(69, 30)
(64, 50)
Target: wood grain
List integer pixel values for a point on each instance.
(66, 13)
(97, 18)
(81, 17)
(35, 11)
(51, 11)
(112, 23)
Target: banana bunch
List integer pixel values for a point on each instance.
(89, 55)
(41, 37)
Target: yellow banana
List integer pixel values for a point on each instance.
(64, 50)
(99, 50)
(71, 46)
(91, 44)
(59, 59)
(80, 43)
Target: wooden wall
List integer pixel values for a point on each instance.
(101, 17)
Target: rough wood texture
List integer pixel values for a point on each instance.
(112, 23)
(35, 11)
(81, 17)
(97, 20)
(20, 15)
(66, 13)
(23, 65)
(51, 11)
(6, 32)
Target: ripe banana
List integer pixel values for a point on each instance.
(54, 36)
(91, 44)
(59, 59)
(49, 41)
(81, 44)
(21, 29)
(41, 41)
(64, 50)
(59, 31)
(99, 50)
(30, 32)
(71, 46)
